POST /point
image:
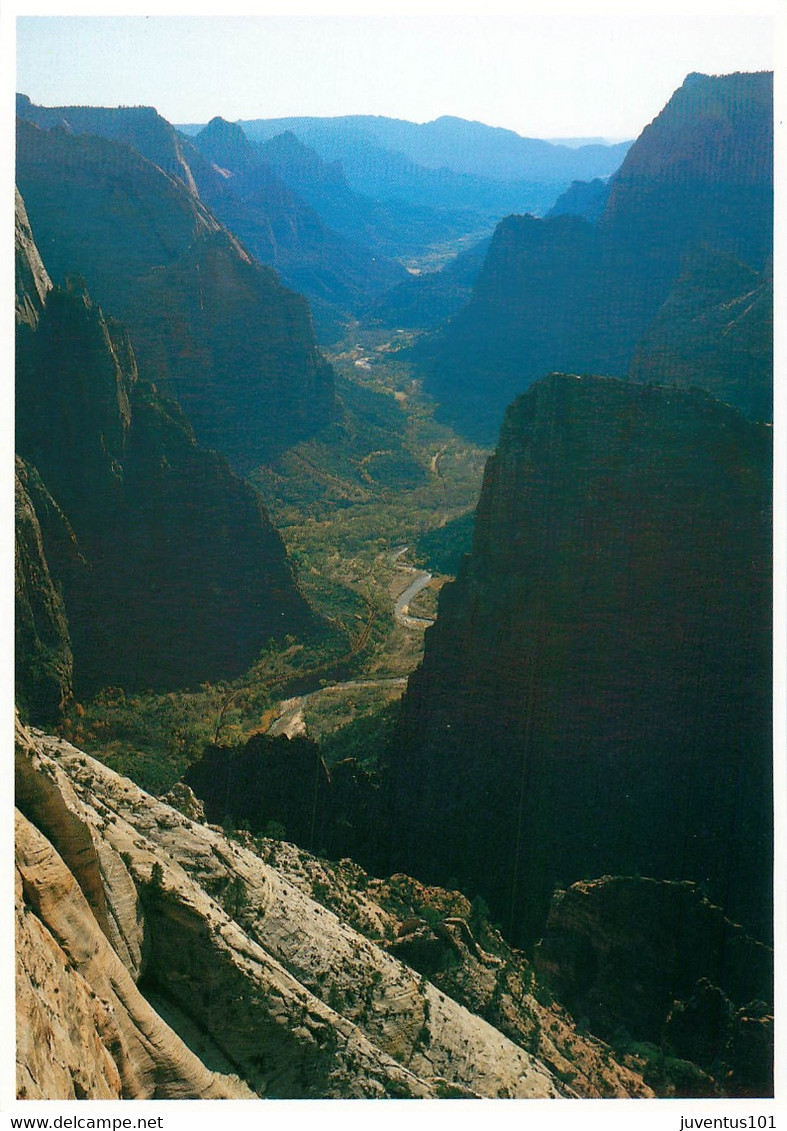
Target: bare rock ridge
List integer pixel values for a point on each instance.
(620, 563)
(31, 279)
(85, 1031)
(211, 327)
(170, 570)
(584, 295)
(130, 913)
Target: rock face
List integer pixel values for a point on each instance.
(170, 570)
(285, 782)
(595, 694)
(44, 661)
(660, 961)
(198, 970)
(578, 295)
(213, 328)
(32, 283)
(84, 1029)
(715, 331)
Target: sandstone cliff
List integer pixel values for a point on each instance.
(158, 959)
(30, 276)
(595, 693)
(163, 561)
(213, 328)
(42, 647)
(577, 295)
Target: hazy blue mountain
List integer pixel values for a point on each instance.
(336, 272)
(386, 175)
(392, 228)
(568, 294)
(582, 198)
(436, 181)
(453, 143)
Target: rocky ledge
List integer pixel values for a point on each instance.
(158, 959)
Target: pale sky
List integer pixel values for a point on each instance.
(586, 71)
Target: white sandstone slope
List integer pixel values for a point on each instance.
(130, 912)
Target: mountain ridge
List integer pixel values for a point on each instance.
(577, 295)
(205, 318)
(141, 551)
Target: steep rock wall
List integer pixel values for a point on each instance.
(171, 572)
(216, 330)
(595, 694)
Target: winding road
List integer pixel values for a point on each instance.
(420, 581)
(290, 721)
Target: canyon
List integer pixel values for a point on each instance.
(393, 587)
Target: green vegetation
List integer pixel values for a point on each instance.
(382, 475)
(667, 1074)
(347, 502)
(442, 549)
(152, 737)
(362, 739)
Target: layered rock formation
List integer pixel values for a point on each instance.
(577, 295)
(163, 562)
(158, 959)
(595, 694)
(212, 327)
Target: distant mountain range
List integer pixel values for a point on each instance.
(583, 755)
(579, 291)
(335, 205)
(449, 164)
(448, 143)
